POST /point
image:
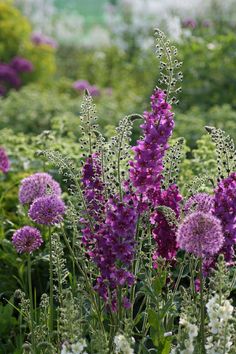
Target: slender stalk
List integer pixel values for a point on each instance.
(88, 285)
(31, 304)
(50, 284)
(202, 329)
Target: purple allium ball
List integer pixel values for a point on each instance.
(4, 161)
(94, 90)
(199, 202)
(9, 75)
(27, 239)
(47, 210)
(81, 85)
(189, 23)
(201, 234)
(37, 185)
(40, 39)
(21, 65)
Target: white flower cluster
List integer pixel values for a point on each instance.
(76, 348)
(220, 313)
(139, 17)
(191, 331)
(122, 345)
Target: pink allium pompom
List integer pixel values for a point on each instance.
(47, 210)
(27, 239)
(37, 185)
(199, 202)
(201, 234)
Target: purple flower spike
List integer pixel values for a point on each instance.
(4, 161)
(48, 210)
(27, 239)
(146, 169)
(200, 234)
(37, 185)
(225, 210)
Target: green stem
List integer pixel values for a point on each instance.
(31, 304)
(202, 329)
(50, 283)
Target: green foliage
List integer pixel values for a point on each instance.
(208, 68)
(14, 30)
(202, 161)
(32, 109)
(15, 33)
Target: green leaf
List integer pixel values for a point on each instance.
(159, 282)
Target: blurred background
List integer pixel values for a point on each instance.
(50, 50)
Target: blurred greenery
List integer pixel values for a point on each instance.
(15, 40)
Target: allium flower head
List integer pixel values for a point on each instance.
(199, 202)
(9, 75)
(200, 234)
(4, 161)
(82, 85)
(41, 39)
(37, 185)
(27, 239)
(21, 65)
(47, 210)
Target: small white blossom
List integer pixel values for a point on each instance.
(122, 346)
(220, 313)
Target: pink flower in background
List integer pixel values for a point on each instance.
(41, 39)
(21, 65)
(82, 85)
(189, 23)
(4, 161)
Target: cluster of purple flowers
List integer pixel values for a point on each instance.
(114, 248)
(164, 233)
(40, 39)
(109, 241)
(43, 195)
(93, 186)
(147, 166)
(82, 85)
(10, 73)
(4, 161)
